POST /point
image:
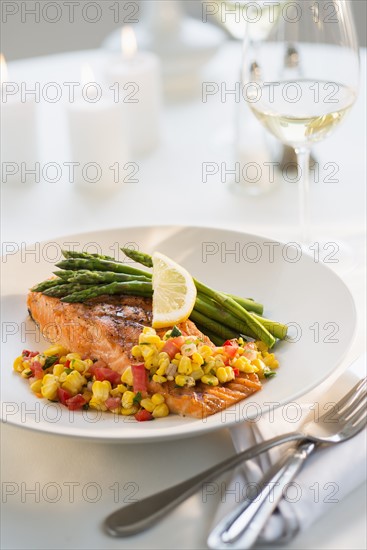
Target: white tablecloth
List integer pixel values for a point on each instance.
(170, 191)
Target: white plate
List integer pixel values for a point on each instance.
(293, 287)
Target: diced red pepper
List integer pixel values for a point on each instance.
(63, 395)
(230, 351)
(170, 348)
(113, 403)
(105, 373)
(139, 377)
(143, 415)
(67, 364)
(27, 353)
(236, 371)
(75, 403)
(36, 369)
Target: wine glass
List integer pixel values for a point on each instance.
(304, 106)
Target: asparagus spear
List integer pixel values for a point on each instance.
(139, 288)
(63, 290)
(45, 285)
(64, 274)
(247, 303)
(215, 311)
(233, 307)
(94, 264)
(105, 277)
(217, 340)
(213, 326)
(85, 255)
(138, 257)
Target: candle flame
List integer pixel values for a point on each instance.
(128, 42)
(4, 76)
(87, 74)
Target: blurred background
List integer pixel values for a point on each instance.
(28, 38)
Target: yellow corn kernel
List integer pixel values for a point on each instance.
(127, 377)
(41, 359)
(205, 351)
(152, 360)
(218, 361)
(161, 371)
(127, 400)
(147, 351)
(58, 369)
(101, 390)
(136, 352)
(182, 380)
(25, 364)
(163, 359)
(178, 356)
(210, 380)
(270, 361)
(244, 365)
(55, 350)
(26, 373)
(219, 350)
(197, 359)
(148, 405)
(130, 411)
(161, 345)
(49, 386)
(18, 364)
(175, 362)
(149, 339)
(87, 395)
(119, 390)
(160, 411)
(36, 386)
(149, 330)
(88, 363)
(71, 356)
(62, 377)
(261, 346)
(184, 366)
(157, 398)
(78, 364)
(222, 375)
(97, 404)
(240, 351)
(62, 359)
(230, 374)
(159, 379)
(74, 382)
(210, 365)
(197, 373)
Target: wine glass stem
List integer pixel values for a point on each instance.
(303, 162)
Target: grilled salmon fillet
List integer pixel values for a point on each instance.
(106, 328)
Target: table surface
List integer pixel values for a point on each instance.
(170, 191)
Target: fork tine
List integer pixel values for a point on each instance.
(356, 428)
(358, 404)
(347, 403)
(357, 390)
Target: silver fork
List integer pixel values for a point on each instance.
(242, 526)
(349, 419)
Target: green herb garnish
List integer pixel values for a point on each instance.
(270, 374)
(50, 360)
(137, 398)
(175, 332)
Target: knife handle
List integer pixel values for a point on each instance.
(241, 527)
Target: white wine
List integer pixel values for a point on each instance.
(302, 111)
(255, 18)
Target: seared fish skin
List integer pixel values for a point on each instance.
(106, 328)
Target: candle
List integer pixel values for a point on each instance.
(98, 135)
(18, 127)
(136, 75)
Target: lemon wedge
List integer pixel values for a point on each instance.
(174, 292)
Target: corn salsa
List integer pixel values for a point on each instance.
(81, 383)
